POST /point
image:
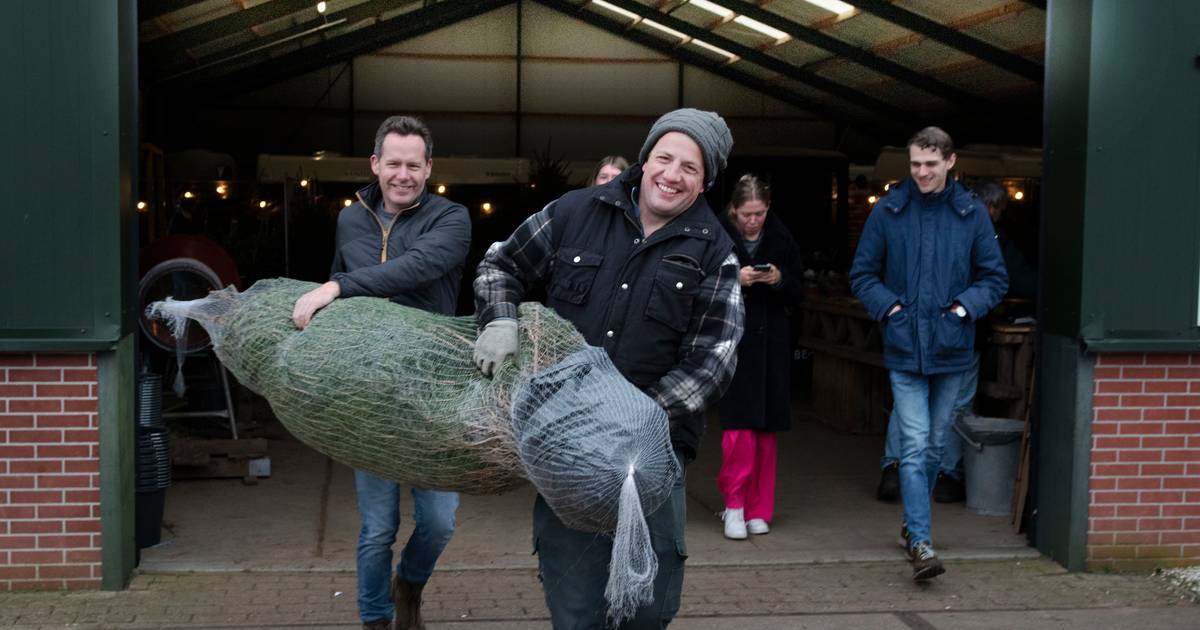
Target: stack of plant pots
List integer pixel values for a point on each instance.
(153, 461)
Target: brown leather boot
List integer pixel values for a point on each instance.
(407, 598)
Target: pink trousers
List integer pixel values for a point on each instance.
(747, 477)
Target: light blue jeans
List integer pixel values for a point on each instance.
(951, 463)
(924, 408)
(379, 508)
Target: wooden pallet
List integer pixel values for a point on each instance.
(217, 459)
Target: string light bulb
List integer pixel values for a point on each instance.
(1019, 196)
(441, 189)
(221, 189)
(872, 199)
(262, 204)
(304, 183)
(346, 203)
(187, 194)
(321, 6)
(141, 205)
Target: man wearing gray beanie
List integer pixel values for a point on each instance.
(642, 267)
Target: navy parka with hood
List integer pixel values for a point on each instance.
(926, 252)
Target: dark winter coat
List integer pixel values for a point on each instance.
(926, 252)
(416, 259)
(760, 395)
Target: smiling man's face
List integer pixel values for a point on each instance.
(402, 170)
(929, 168)
(672, 177)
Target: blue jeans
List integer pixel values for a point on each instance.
(573, 566)
(379, 508)
(924, 408)
(951, 463)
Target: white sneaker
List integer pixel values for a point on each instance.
(735, 524)
(757, 526)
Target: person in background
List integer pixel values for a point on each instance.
(608, 169)
(929, 268)
(399, 242)
(757, 404)
(1022, 283)
(1022, 278)
(642, 267)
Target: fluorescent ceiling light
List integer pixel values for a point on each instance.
(755, 25)
(665, 29)
(615, 9)
(715, 9)
(837, 6)
(720, 51)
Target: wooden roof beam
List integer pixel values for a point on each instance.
(954, 38)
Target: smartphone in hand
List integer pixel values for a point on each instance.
(762, 267)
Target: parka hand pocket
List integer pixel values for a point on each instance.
(898, 333)
(952, 335)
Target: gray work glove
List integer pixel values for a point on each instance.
(497, 342)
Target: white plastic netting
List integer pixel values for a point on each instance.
(393, 390)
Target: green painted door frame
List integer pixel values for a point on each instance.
(1120, 225)
(67, 229)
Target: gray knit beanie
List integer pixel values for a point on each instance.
(706, 128)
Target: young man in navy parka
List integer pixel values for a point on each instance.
(927, 266)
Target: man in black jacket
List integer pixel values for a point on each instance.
(402, 243)
(644, 270)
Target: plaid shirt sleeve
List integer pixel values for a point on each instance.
(510, 267)
(708, 355)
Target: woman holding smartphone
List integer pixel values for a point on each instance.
(757, 404)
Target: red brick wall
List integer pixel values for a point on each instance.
(49, 472)
(1144, 491)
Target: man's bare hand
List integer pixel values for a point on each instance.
(313, 301)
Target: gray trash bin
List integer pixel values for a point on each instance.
(991, 454)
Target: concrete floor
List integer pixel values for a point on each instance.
(304, 518)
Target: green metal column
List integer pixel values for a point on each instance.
(68, 114)
(1120, 224)
(117, 461)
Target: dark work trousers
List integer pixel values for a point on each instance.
(573, 566)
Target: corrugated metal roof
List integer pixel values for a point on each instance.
(924, 56)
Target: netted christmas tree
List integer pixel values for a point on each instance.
(393, 390)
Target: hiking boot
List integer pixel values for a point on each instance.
(925, 562)
(735, 524)
(889, 483)
(947, 489)
(378, 624)
(757, 526)
(407, 598)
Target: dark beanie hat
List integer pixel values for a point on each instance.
(706, 128)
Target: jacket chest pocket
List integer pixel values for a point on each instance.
(574, 272)
(676, 285)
